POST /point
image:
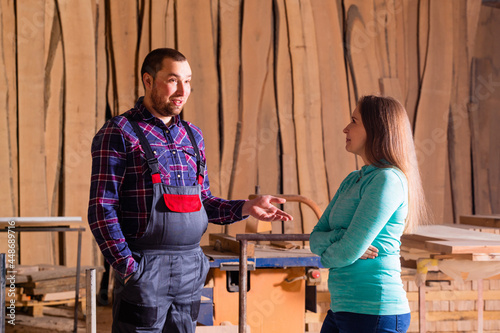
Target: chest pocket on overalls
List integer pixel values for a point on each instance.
(182, 203)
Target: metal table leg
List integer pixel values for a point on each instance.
(77, 287)
(242, 322)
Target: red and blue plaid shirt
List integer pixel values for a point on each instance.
(121, 190)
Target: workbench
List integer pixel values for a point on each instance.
(276, 287)
(457, 250)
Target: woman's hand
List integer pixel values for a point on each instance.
(370, 253)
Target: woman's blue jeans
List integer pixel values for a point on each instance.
(348, 322)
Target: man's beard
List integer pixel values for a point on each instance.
(165, 109)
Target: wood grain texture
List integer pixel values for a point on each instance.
(459, 143)
(229, 69)
(363, 30)
(8, 117)
(335, 108)
(431, 124)
(53, 109)
(163, 31)
(284, 102)
(195, 38)
(8, 103)
(409, 75)
(307, 107)
(31, 25)
(123, 19)
(256, 45)
(80, 62)
(485, 96)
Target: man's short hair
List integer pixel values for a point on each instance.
(153, 62)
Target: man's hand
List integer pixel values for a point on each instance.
(262, 209)
(370, 253)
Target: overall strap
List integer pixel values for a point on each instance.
(199, 162)
(150, 157)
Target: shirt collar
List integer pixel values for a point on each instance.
(144, 114)
(366, 169)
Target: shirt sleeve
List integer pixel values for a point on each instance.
(108, 170)
(323, 235)
(380, 199)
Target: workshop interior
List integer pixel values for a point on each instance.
(274, 85)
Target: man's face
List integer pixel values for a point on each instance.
(171, 87)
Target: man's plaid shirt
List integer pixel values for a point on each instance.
(121, 187)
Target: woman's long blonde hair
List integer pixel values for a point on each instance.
(389, 142)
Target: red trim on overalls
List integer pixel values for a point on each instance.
(156, 178)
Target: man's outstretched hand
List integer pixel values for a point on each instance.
(262, 208)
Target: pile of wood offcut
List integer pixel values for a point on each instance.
(44, 285)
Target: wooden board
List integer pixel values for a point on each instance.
(163, 30)
(364, 53)
(35, 247)
(229, 68)
(256, 44)
(481, 220)
(101, 64)
(123, 18)
(408, 24)
(80, 62)
(307, 107)
(452, 240)
(431, 124)
(335, 108)
(484, 114)
(8, 117)
(53, 109)
(284, 102)
(226, 243)
(195, 41)
(459, 143)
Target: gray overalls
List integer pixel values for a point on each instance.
(164, 294)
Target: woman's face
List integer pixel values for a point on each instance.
(356, 135)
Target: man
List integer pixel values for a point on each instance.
(150, 203)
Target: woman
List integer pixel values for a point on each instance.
(365, 220)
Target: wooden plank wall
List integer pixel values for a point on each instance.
(274, 84)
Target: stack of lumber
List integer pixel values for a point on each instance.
(42, 285)
(451, 305)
